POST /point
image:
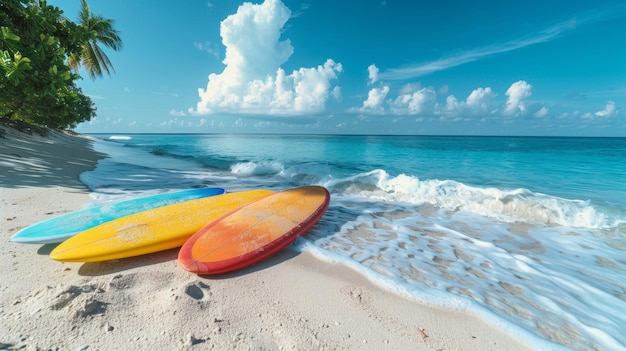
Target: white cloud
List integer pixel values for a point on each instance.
(609, 110)
(480, 104)
(372, 73)
(478, 100)
(179, 122)
(452, 105)
(177, 113)
(476, 103)
(409, 88)
(375, 99)
(173, 122)
(253, 81)
(587, 115)
(412, 99)
(239, 123)
(516, 93)
(422, 101)
(418, 70)
(208, 47)
(543, 111)
(337, 93)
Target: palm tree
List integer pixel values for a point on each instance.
(91, 56)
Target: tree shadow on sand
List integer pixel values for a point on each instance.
(32, 160)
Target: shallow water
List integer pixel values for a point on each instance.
(529, 234)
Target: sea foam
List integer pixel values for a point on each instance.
(506, 205)
(257, 168)
(120, 137)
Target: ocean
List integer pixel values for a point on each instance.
(528, 234)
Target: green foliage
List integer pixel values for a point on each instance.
(98, 30)
(37, 84)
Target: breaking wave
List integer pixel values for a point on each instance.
(506, 205)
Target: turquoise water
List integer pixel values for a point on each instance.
(528, 234)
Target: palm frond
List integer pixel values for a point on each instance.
(92, 58)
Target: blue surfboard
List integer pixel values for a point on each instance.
(60, 228)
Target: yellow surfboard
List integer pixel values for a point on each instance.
(150, 231)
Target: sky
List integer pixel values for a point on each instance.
(528, 68)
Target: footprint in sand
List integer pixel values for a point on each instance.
(356, 294)
(90, 305)
(122, 282)
(194, 290)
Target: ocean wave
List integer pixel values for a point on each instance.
(265, 168)
(120, 137)
(506, 205)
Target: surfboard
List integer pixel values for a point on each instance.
(60, 228)
(254, 232)
(150, 231)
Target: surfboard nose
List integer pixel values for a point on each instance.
(191, 265)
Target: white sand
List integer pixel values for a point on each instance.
(291, 301)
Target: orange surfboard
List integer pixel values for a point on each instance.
(254, 232)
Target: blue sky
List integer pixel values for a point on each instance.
(368, 67)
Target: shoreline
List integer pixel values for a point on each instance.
(291, 300)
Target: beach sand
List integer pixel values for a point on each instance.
(291, 301)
